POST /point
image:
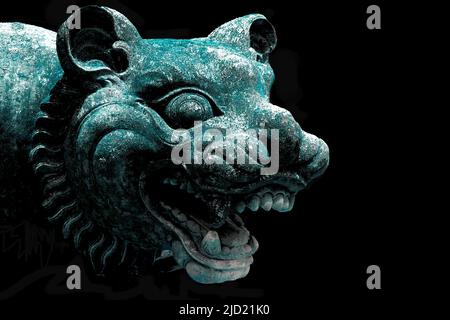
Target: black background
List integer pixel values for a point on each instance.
(342, 82)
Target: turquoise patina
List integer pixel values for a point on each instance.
(87, 118)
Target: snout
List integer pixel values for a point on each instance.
(270, 143)
(313, 156)
(298, 150)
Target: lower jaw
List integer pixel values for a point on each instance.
(200, 267)
(204, 269)
(207, 275)
(204, 273)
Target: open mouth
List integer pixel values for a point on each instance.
(211, 240)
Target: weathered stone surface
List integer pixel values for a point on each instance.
(86, 124)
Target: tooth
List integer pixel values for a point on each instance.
(236, 251)
(179, 215)
(166, 181)
(278, 202)
(254, 202)
(291, 201)
(183, 185)
(211, 243)
(193, 227)
(240, 206)
(226, 250)
(166, 253)
(247, 248)
(285, 203)
(266, 202)
(165, 206)
(173, 182)
(162, 255)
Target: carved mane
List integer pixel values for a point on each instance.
(59, 199)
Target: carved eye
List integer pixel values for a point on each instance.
(186, 108)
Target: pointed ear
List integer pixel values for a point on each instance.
(101, 46)
(249, 32)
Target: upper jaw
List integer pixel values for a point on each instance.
(290, 180)
(267, 193)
